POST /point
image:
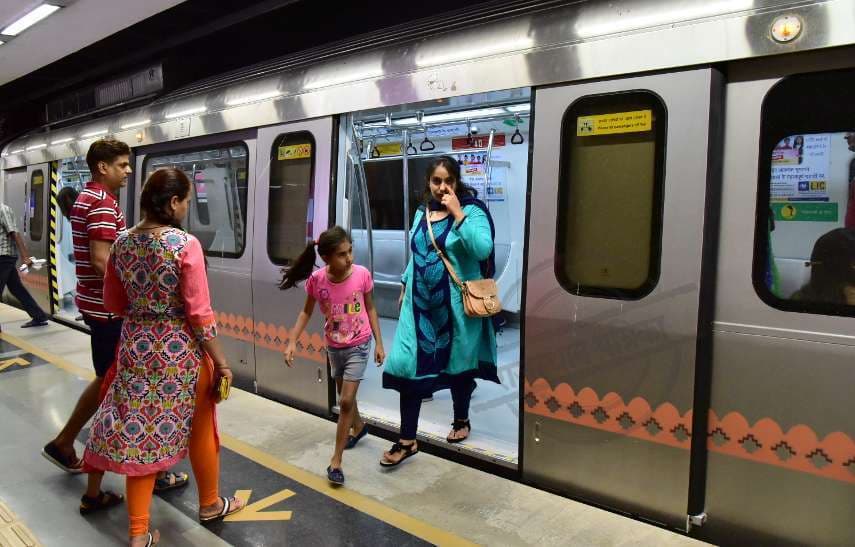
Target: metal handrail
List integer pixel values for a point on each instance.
(366, 206)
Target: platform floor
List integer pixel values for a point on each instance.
(276, 456)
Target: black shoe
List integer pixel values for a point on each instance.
(335, 476)
(353, 439)
(35, 323)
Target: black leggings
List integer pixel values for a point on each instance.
(461, 394)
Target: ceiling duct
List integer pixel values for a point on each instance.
(128, 89)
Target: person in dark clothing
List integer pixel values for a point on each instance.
(11, 244)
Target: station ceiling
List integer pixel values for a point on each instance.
(92, 41)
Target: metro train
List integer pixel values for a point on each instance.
(660, 174)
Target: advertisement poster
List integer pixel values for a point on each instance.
(496, 186)
(799, 182)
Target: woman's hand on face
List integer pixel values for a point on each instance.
(451, 203)
(221, 372)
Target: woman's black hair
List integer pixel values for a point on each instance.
(157, 194)
(453, 167)
(66, 198)
(832, 267)
(327, 244)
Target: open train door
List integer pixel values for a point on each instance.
(291, 208)
(618, 299)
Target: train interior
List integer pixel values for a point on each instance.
(489, 135)
(811, 175)
(217, 214)
(73, 173)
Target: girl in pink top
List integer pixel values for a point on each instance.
(343, 290)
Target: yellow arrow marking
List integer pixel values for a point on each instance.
(253, 512)
(21, 362)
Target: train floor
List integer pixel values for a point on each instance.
(275, 457)
(494, 410)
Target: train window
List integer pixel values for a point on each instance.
(37, 205)
(386, 190)
(217, 215)
(292, 160)
(804, 259)
(610, 195)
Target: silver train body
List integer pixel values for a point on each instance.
(697, 402)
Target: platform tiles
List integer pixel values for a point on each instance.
(274, 457)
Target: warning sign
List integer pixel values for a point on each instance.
(618, 122)
(295, 151)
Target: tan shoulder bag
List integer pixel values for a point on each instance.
(480, 296)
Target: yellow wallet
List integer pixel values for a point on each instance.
(223, 388)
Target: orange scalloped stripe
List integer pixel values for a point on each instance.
(798, 449)
(270, 336)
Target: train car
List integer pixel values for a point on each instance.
(672, 188)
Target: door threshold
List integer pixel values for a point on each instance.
(439, 443)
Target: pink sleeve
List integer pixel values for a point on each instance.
(194, 291)
(115, 298)
(310, 286)
(368, 282)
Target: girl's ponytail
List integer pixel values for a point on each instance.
(301, 269)
(327, 243)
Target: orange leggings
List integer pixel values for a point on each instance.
(204, 457)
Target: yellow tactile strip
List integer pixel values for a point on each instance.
(360, 502)
(14, 533)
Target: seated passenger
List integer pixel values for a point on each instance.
(832, 273)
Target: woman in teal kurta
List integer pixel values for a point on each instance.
(437, 346)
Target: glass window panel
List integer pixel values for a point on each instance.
(610, 195)
(217, 215)
(37, 204)
(292, 160)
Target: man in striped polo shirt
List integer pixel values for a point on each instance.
(96, 219)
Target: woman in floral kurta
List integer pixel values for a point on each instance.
(161, 403)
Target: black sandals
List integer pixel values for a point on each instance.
(104, 500)
(409, 450)
(227, 510)
(456, 426)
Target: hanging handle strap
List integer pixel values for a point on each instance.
(441, 254)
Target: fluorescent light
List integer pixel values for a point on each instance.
(253, 98)
(464, 114)
(695, 10)
(344, 79)
(518, 107)
(36, 146)
(29, 19)
(18, 151)
(94, 134)
(136, 124)
(61, 141)
(188, 112)
(470, 53)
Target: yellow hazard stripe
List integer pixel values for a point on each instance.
(52, 251)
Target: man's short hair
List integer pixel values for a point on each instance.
(106, 150)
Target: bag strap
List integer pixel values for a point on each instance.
(441, 254)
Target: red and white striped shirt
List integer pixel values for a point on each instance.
(94, 216)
